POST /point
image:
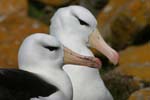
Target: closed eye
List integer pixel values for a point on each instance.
(82, 22)
(50, 48)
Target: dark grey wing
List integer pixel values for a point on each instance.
(17, 84)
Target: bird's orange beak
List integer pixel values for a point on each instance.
(96, 41)
(71, 57)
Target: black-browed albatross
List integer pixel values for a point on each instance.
(76, 28)
(41, 76)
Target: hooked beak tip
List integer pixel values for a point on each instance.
(96, 41)
(99, 63)
(114, 58)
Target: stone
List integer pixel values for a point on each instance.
(121, 21)
(131, 74)
(142, 94)
(55, 2)
(12, 7)
(120, 86)
(135, 62)
(13, 31)
(93, 5)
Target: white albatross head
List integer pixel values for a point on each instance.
(79, 25)
(42, 51)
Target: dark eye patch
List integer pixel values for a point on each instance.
(50, 48)
(82, 22)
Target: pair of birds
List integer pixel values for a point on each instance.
(41, 58)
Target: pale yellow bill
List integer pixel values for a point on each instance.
(71, 57)
(96, 41)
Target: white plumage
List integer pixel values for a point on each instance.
(73, 26)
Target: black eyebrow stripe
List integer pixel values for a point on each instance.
(82, 22)
(50, 48)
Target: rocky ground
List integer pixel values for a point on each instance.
(125, 25)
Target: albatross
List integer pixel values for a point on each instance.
(41, 76)
(76, 28)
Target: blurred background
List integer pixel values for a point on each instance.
(124, 24)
